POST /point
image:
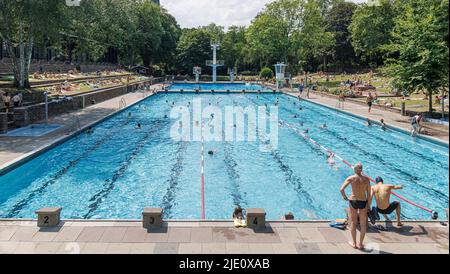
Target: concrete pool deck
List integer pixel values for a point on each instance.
(128, 237)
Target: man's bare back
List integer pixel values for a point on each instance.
(360, 186)
(382, 195)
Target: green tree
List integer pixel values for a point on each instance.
(420, 39)
(315, 41)
(193, 49)
(371, 29)
(232, 47)
(338, 20)
(25, 25)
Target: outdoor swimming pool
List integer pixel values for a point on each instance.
(217, 87)
(118, 170)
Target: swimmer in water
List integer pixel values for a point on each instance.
(301, 124)
(129, 114)
(212, 152)
(330, 160)
(295, 116)
(165, 116)
(383, 124)
(368, 123)
(89, 130)
(306, 131)
(324, 126)
(138, 126)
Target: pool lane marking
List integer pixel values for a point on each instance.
(173, 181)
(349, 119)
(350, 166)
(202, 174)
(58, 175)
(99, 197)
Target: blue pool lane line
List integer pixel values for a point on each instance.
(24, 202)
(413, 179)
(233, 175)
(98, 198)
(173, 181)
(290, 178)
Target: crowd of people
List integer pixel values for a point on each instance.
(90, 84)
(73, 74)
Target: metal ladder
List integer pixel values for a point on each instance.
(122, 103)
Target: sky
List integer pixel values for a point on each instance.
(194, 13)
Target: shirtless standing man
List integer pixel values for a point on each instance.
(359, 205)
(382, 194)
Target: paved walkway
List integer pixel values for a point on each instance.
(14, 148)
(216, 238)
(440, 132)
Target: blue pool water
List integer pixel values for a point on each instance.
(216, 87)
(118, 170)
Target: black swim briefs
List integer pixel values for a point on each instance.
(393, 206)
(358, 204)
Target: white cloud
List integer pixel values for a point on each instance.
(194, 13)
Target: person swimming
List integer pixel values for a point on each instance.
(324, 126)
(212, 152)
(368, 123)
(330, 160)
(306, 131)
(383, 124)
(89, 130)
(138, 126)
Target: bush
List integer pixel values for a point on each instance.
(266, 73)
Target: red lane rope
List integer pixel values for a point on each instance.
(350, 165)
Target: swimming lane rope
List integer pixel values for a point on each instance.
(434, 214)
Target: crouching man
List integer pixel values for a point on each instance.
(382, 194)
